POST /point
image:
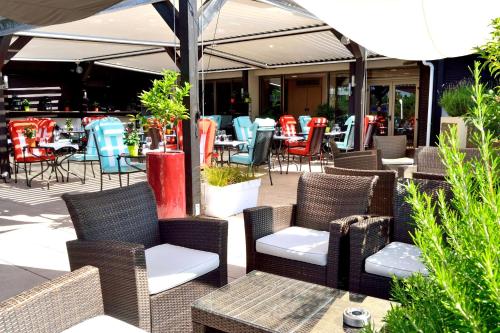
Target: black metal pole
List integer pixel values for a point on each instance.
(187, 32)
(4, 152)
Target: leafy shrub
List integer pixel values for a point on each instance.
(462, 253)
(457, 99)
(227, 175)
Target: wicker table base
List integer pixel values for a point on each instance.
(262, 302)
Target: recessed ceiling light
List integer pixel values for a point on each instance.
(271, 45)
(294, 75)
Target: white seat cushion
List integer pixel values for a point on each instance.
(103, 324)
(396, 258)
(296, 243)
(397, 161)
(169, 266)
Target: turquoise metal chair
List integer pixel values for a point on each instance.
(259, 148)
(217, 119)
(108, 136)
(242, 128)
(88, 155)
(348, 142)
(304, 121)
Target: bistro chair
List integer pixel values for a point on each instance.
(289, 128)
(383, 191)
(206, 131)
(89, 153)
(242, 128)
(23, 154)
(259, 148)
(108, 138)
(381, 249)
(304, 124)
(313, 145)
(69, 303)
(348, 140)
(309, 240)
(151, 270)
(217, 119)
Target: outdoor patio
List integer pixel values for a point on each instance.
(35, 226)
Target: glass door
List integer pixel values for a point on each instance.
(391, 109)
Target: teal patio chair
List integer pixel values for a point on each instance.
(242, 128)
(217, 119)
(304, 121)
(108, 136)
(89, 153)
(259, 149)
(348, 142)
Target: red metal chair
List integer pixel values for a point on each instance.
(45, 129)
(289, 128)
(22, 152)
(312, 145)
(206, 130)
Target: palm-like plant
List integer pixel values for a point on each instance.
(165, 100)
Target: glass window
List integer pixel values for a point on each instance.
(270, 101)
(338, 92)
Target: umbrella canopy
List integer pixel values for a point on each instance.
(410, 29)
(48, 12)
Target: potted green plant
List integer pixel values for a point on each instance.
(26, 104)
(165, 170)
(131, 139)
(456, 100)
(229, 190)
(30, 136)
(69, 125)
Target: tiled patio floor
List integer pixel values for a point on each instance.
(35, 225)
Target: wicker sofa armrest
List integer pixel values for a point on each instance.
(367, 237)
(55, 305)
(124, 281)
(262, 221)
(338, 250)
(428, 175)
(200, 234)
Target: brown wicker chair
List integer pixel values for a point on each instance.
(325, 203)
(361, 160)
(114, 228)
(370, 236)
(381, 203)
(429, 162)
(56, 305)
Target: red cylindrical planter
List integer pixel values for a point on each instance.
(166, 177)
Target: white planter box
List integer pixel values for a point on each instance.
(459, 123)
(232, 199)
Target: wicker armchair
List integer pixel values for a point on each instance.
(369, 237)
(381, 203)
(116, 231)
(326, 206)
(361, 160)
(431, 166)
(58, 305)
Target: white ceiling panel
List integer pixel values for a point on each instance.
(320, 46)
(46, 49)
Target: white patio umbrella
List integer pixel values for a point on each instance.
(48, 12)
(410, 29)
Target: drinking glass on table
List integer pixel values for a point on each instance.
(149, 141)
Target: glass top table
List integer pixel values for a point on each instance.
(263, 302)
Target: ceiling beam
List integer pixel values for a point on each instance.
(235, 58)
(174, 55)
(4, 49)
(356, 50)
(207, 13)
(169, 14)
(120, 55)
